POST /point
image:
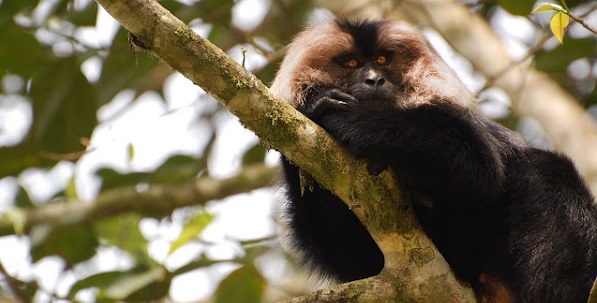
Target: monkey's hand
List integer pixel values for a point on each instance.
(332, 99)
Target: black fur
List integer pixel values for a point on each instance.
(332, 236)
(364, 34)
(497, 207)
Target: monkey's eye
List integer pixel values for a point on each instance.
(351, 63)
(381, 60)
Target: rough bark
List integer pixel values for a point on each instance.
(414, 268)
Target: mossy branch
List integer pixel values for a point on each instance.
(160, 199)
(414, 268)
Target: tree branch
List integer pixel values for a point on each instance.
(158, 198)
(14, 286)
(583, 23)
(374, 199)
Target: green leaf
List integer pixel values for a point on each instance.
(558, 24)
(20, 53)
(17, 217)
(122, 69)
(10, 7)
(223, 36)
(153, 292)
(268, 72)
(123, 231)
(548, 7)
(101, 281)
(19, 157)
(130, 152)
(216, 11)
(518, 7)
(64, 107)
(70, 192)
(178, 168)
(23, 199)
(112, 178)
(59, 7)
(74, 244)
(84, 17)
(137, 284)
(255, 155)
(191, 230)
(243, 285)
(557, 60)
(148, 285)
(184, 12)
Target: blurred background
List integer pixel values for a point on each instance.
(101, 145)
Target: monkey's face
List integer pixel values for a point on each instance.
(356, 62)
(368, 77)
(376, 62)
(367, 62)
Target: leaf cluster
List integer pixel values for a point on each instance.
(43, 48)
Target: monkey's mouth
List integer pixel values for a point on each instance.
(365, 93)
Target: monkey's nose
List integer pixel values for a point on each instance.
(374, 78)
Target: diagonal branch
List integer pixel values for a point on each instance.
(582, 22)
(274, 121)
(374, 199)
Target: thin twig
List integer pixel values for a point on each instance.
(530, 53)
(118, 200)
(583, 23)
(13, 285)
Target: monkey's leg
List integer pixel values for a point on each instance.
(327, 235)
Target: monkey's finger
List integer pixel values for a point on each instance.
(341, 96)
(332, 103)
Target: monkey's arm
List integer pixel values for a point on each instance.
(437, 148)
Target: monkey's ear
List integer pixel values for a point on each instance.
(306, 181)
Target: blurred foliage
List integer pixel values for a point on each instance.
(517, 7)
(64, 105)
(176, 169)
(556, 61)
(243, 285)
(40, 44)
